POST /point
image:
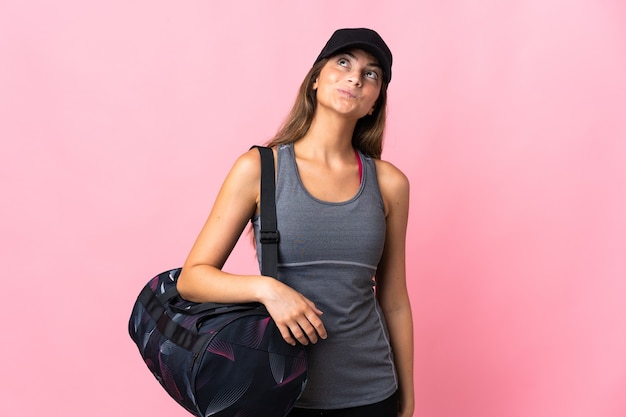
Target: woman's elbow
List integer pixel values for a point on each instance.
(185, 287)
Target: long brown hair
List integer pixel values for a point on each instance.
(368, 132)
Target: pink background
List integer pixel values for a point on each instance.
(119, 120)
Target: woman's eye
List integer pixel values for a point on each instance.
(371, 74)
(343, 62)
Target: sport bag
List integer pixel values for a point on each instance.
(221, 360)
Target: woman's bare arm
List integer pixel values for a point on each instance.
(202, 278)
(391, 286)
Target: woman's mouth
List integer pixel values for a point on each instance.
(346, 93)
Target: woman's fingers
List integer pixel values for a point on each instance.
(317, 326)
(299, 335)
(308, 332)
(297, 317)
(294, 333)
(286, 334)
(305, 330)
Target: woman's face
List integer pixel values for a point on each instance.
(349, 83)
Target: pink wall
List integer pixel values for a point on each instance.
(119, 119)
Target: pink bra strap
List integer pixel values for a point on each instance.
(358, 161)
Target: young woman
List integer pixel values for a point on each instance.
(342, 216)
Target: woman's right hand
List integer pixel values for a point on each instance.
(297, 317)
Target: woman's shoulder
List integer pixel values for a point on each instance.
(393, 185)
(246, 169)
(390, 177)
(248, 163)
(247, 166)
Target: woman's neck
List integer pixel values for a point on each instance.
(330, 132)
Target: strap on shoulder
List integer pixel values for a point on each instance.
(269, 229)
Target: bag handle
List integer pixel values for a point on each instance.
(269, 229)
(210, 309)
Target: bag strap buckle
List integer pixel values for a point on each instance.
(270, 236)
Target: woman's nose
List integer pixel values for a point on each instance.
(355, 78)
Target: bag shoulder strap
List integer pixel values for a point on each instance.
(269, 229)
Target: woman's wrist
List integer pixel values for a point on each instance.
(264, 289)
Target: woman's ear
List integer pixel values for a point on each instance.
(314, 86)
